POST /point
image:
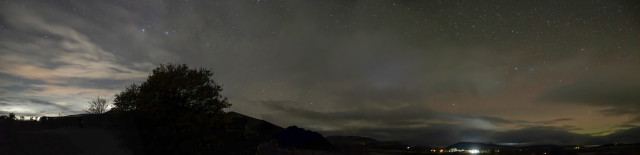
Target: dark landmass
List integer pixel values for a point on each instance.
(112, 134)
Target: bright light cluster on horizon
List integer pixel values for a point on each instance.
(474, 151)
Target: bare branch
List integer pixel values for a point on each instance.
(97, 106)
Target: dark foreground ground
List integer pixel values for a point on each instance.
(61, 141)
(88, 140)
(255, 137)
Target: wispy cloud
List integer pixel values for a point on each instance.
(51, 65)
(72, 54)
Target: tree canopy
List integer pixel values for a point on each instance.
(174, 89)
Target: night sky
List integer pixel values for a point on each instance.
(423, 72)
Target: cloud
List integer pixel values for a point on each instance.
(59, 106)
(543, 135)
(39, 106)
(338, 66)
(445, 134)
(419, 125)
(631, 135)
(553, 121)
(618, 92)
(435, 134)
(599, 93)
(71, 55)
(619, 111)
(41, 102)
(388, 122)
(69, 91)
(18, 114)
(635, 120)
(371, 116)
(52, 63)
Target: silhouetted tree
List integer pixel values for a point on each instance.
(12, 116)
(176, 107)
(97, 106)
(174, 88)
(126, 100)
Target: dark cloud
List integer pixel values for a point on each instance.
(543, 135)
(619, 111)
(18, 114)
(50, 104)
(98, 84)
(599, 93)
(411, 125)
(373, 116)
(417, 125)
(635, 120)
(433, 135)
(631, 135)
(554, 121)
(618, 92)
(628, 126)
(41, 102)
(439, 134)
